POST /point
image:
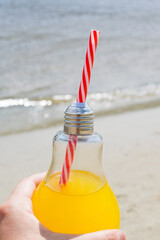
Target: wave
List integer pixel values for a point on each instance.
(125, 95)
(25, 102)
(25, 114)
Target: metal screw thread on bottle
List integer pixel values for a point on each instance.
(79, 119)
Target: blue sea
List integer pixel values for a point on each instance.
(42, 52)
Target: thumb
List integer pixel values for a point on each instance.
(103, 235)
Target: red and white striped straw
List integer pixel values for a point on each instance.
(82, 95)
(88, 65)
(71, 147)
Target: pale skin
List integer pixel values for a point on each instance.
(17, 221)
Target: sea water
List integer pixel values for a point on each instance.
(42, 52)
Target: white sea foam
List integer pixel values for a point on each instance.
(19, 115)
(124, 95)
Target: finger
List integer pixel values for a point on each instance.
(103, 235)
(27, 186)
(48, 235)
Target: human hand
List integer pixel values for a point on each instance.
(17, 221)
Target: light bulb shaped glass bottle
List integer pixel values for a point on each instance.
(86, 203)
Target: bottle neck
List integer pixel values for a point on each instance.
(79, 119)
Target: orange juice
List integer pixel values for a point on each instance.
(85, 204)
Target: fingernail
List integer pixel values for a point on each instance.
(121, 235)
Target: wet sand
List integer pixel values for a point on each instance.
(131, 161)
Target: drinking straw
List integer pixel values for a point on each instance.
(82, 95)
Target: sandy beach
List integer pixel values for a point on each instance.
(131, 162)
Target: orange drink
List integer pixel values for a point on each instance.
(84, 204)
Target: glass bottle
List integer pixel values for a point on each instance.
(86, 203)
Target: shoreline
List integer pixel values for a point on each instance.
(29, 114)
(131, 162)
(140, 106)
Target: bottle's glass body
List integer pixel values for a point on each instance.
(86, 203)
